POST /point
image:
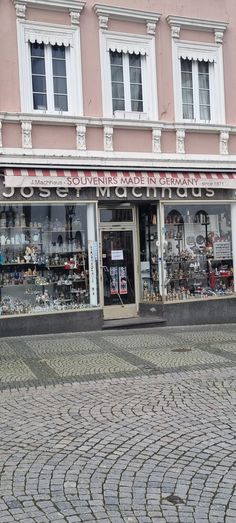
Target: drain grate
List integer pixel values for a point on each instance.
(176, 500)
(181, 350)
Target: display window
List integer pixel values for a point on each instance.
(197, 252)
(48, 257)
(149, 253)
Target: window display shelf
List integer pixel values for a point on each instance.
(184, 223)
(44, 260)
(11, 246)
(198, 252)
(39, 264)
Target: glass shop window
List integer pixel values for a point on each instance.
(197, 252)
(48, 258)
(121, 214)
(149, 256)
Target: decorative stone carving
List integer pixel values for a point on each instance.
(81, 137)
(103, 22)
(156, 140)
(74, 17)
(108, 138)
(26, 129)
(151, 28)
(219, 35)
(224, 141)
(180, 138)
(175, 31)
(20, 10)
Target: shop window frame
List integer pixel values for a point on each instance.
(29, 32)
(196, 52)
(202, 206)
(129, 44)
(91, 237)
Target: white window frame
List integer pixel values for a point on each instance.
(212, 53)
(126, 77)
(127, 44)
(44, 33)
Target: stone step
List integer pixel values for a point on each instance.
(134, 323)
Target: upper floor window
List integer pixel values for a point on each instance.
(196, 95)
(50, 72)
(126, 80)
(198, 82)
(128, 76)
(49, 77)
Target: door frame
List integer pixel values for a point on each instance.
(127, 310)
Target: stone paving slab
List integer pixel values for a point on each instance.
(133, 428)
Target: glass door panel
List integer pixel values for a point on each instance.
(118, 267)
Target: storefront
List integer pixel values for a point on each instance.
(73, 253)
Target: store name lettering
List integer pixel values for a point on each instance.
(111, 192)
(154, 192)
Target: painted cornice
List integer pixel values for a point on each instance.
(121, 13)
(59, 5)
(196, 24)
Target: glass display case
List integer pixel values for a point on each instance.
(197, 251)
(46, 258)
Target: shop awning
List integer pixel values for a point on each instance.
(116, 178)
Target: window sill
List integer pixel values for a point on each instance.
(44, 112)
(130, 115)
(198, 122)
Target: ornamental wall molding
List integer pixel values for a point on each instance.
(103, 22)
(50, 119)
(108, 138)
(224, 142)
(180, 141)
(104, 12)
(156, 141)
(196, 24)
(175, 31)
(26, 130)
(20, 9)
(58, 5)
(75, 18)
(120, 160)
(73, 6)
(81, 137)
(151, 28)
(219, 35)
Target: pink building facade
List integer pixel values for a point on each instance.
(118, 150)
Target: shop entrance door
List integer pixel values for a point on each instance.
(119, 289)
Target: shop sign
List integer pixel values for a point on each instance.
(78, 179)
(113, 193)
(222, 250)
(92, 257)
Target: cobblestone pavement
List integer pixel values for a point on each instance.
(134, 427)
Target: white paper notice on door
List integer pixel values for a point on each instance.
(123, 280)
(117, 255)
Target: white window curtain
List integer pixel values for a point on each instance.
(195, 83)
